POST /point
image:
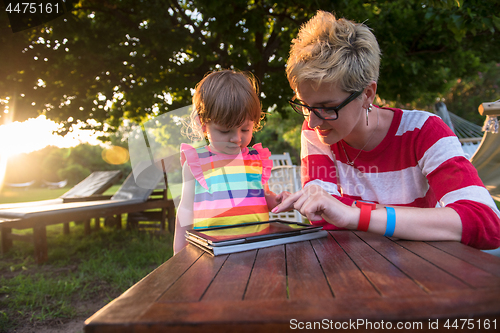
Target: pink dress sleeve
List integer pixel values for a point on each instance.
(267, 164)
(189, 155)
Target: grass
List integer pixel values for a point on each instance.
(82, 274)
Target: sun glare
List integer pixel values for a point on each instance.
(35, 134)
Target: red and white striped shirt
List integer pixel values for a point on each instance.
(420, 163)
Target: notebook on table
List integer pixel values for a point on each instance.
(250, 236)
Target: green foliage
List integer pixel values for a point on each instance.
(111, 60)
(53, 161)
(26, 167)
(87, 156)
(426, 45)
(132, 257)
(466, 95)
(281, 133)
(98, 267)
(74, 173)
(42, 295)
(54, 164)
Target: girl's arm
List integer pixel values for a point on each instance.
(184, 218)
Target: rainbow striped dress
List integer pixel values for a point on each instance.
(228, 188)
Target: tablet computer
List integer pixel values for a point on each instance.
(249, 232)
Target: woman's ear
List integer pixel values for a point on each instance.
(370, 94)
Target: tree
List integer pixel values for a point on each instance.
(427, 45)
(467, 94)
(282, 135)
(111, 60)
(55, 164)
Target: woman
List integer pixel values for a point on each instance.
(408, 165)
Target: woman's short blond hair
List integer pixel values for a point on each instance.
(334, 50)
(228, 98)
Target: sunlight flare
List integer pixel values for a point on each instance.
(38, 133)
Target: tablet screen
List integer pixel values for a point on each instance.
(251, 230)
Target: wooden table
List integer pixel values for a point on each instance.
(348, 280)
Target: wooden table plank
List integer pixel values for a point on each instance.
(487, 262)
(305, 276)
(187, 294)
(139, 297)
(231, 282)
(268, 278)
(468, 273)
(472, 303)
(344, 277)
(428, 276)
(386, 278)
(191, 286)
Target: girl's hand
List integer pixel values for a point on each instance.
(315, 203)
(282, 196)
(274, 199)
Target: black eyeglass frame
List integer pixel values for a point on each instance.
(297, 107)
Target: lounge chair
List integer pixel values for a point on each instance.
(131, 197)
(91, 188)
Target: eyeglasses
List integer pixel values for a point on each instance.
(329, 113)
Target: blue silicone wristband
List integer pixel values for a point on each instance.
(391, 222)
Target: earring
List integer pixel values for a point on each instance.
(368, 109)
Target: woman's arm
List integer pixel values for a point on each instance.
(456, 185)
(411, 223)
(184, 217)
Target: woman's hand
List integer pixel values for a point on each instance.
(315, 203)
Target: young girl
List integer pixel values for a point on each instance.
(224, 183)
